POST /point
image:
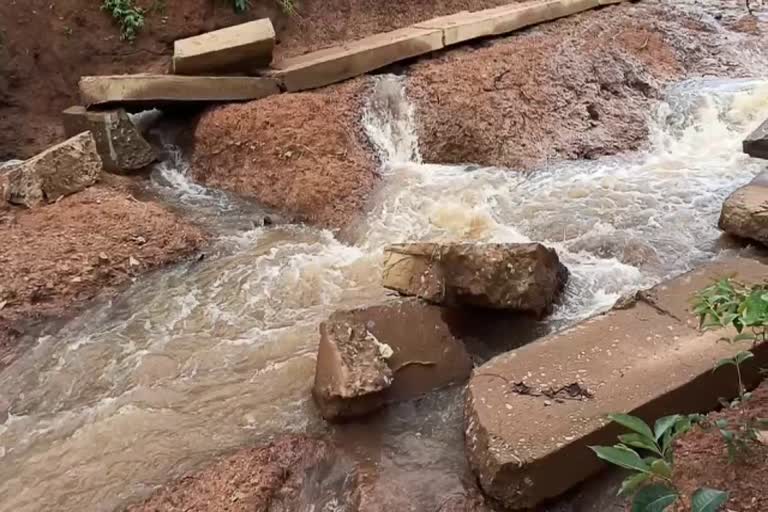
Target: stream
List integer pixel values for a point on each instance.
(215, 354)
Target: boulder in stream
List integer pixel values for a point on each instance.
(61, 170)
(521, 277)
(378, 354)
(745, 212)
(756, 145)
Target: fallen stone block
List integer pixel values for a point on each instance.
(745, 212)
(119, 142)
(648, 360)
(520, 277)
(465, 26)
(58, 171)
(756, 145)
(378, 354)
(149, 91)
(333, 65)
(243, 47)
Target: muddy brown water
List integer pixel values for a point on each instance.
(216, 354)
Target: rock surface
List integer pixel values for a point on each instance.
(57, 172)
(648, 359)
(378, 354)
(521, 277)
(243, 47)
(119, 142)
(756, 145)
(148, 91)
(745, 212)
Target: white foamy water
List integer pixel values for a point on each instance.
(219, 353)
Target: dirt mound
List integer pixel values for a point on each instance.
(701, 460)
(580, 87)
(526, 99)
(57, 257)
(302, 153)
(254, 479)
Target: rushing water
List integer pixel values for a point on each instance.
(219, 353)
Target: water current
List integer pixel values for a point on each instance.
(219, 353)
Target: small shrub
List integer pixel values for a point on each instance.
(287, 6)
(129, 17)
(648, 454)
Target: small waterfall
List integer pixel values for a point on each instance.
(389, 121)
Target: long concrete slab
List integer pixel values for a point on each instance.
(756, 145)
(464, 26)
(532, 413)
(160, 90)
(243, 47)
(333, 65)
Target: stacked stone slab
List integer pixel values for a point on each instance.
(465, 26)
(374, 355)
(519, 277)
(333, 65)
(150, 91)
(756, 145)
(58, 171)
(745, 212)
(245, 47)
(531, 414)
(120, 144)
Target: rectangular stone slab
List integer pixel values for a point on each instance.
(147, 91)
(243, 47)
(532, 413)
(756, 145)
(339, 63)
(465, 26)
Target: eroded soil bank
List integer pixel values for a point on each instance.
(58, 257)
(577, 88)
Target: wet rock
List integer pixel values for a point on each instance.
(649, 360)
(756, 145)
(271, 477)
(64, 169)
(522, 277)
(378, 354)
(745, 212)
(119, 142)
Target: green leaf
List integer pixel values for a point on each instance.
(664, 424)
(638, 441)
(708, 500)
(744, 356)
(622, 456)
(724, 362)
(632, 423)
(631, 483)
(661, 468)
(654, 498)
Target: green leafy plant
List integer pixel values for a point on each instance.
(649, 455)
(729, 303)
(287, 6)
(129, 17)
